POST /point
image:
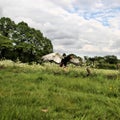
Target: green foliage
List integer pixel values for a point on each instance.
(34, 92)
(6, 47)
(106, 66)
(106, 62)
(111, 59)
(6, 26)
(28, 44)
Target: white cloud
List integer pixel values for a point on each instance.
(1, 12)
(83, 27)
(115, 22)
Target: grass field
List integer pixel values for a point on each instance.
(34, 92)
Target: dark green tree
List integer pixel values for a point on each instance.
(111, 59)
(28, 44)
(6, 48)
(7, 26)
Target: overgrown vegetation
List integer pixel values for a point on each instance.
(48, 92)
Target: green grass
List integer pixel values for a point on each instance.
(27, 90)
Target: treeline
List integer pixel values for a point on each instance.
(19, 41)
(105, 62)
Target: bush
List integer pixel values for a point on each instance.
(106, 66)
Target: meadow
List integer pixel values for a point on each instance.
(48, 92)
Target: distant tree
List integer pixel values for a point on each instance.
(111, 59)
(92, 60)
(106, 62)
(87, 60)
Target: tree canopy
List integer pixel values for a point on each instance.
(22, 42)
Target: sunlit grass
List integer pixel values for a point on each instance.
(49, 92)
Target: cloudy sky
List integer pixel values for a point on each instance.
(82, 27)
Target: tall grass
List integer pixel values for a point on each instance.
(35, 92)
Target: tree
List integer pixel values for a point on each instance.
(29, 44)
(31, 41)
(6, 47)
(6, 26)
(111, 59)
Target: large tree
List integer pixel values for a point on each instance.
(29, 44)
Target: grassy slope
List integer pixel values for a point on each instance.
(48, 92)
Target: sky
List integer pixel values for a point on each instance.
(82, 27)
